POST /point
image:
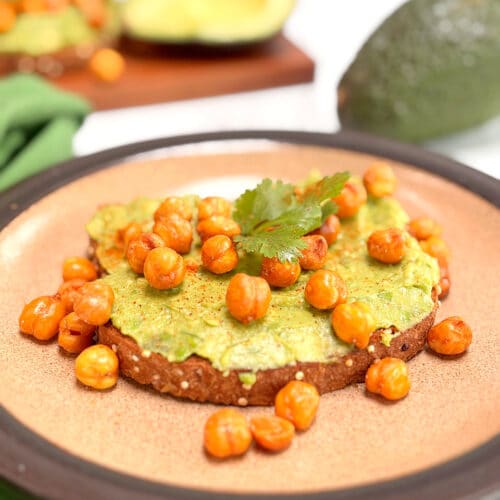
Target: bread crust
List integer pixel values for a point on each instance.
(196, 379)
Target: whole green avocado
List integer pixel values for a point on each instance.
(432, 68)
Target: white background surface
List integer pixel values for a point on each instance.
(331, 32)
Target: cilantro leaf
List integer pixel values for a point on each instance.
(324, 190)
(283, 245)
(328, 208)
(273, 220)
(266, 202)
(301, 219)
(281, 237)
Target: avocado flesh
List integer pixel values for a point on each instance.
(431, 69)
(36, 34)
(213, 22)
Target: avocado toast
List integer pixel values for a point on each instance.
(185, 343)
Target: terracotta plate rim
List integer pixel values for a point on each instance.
(57, 473)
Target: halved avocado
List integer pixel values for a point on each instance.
(211, 22)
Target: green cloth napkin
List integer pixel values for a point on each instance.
(37, 125)
(9, 491)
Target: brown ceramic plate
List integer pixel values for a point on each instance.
(61, 440)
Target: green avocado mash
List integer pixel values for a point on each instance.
(193, 318)
(35, 34)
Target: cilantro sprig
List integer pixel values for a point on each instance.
(273, 218)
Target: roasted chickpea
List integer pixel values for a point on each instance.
(68, 292)
(325, 289)
(128, 233)
(451, 336)
(107, 64)
(41, 317)
(444, 281)
(247, 297)
(389, 378)
(32, 5)
(437, 248)
(164, 268)
(55, 5)
(94, 303)
(279, 274)
(97, 367)
(7, 17)
(353, 323)
(79, 268)
(423, 228)
(387, 245)
(174, 205)
(227, 433)
(213, 205)
(329, 229)
(314, 256)
(299, 192)
(93, 10)
(217, 224)
(74, 334)
(271, 432)
(379, 180)
(138, 250)
(175, 232)
(219, 255)
(352, 197)
(298, 403)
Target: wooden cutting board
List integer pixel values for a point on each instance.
(159, 74)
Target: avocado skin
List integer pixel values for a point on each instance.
(432, 68)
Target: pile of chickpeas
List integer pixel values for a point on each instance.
(228, 432)
(82, 304)
(93, 10)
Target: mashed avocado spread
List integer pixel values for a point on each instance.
(193, 318)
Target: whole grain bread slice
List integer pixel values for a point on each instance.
(196, 379)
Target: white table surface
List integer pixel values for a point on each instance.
(331, 32)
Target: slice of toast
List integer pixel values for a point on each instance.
(197, 379)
